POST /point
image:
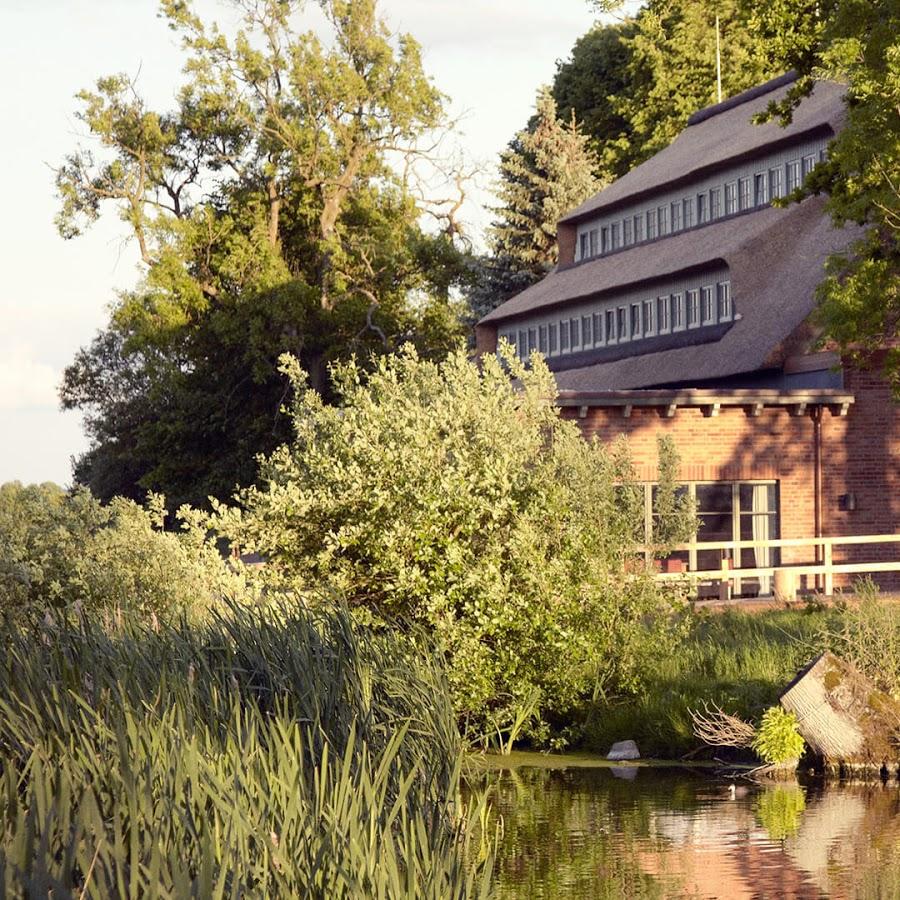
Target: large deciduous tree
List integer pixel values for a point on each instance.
(273, 212)
(858, 43)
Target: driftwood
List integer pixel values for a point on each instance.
(845, 720)
(717, 728)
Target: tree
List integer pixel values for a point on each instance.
(858, 43)
(671, 72)
(270, 216)
(547, 170)
(443, 494)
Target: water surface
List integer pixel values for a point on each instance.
(637, 831)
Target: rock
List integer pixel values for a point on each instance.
(624, 750)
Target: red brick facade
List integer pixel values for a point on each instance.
(859, 457)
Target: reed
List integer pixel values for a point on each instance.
(276, 752)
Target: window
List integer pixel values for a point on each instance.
(687, 206)
(702, 209)
(532, 340)
(610, 326)
(604, 240)
(651, 224)
(564, 337)
(676, 216)
(598, 329)
(522, 345)
(662, 216)
(622, 323)
(677, 311)
(808, 163)
(552, 336)
(731, 198)
(744, 193)
(583, 246)
(635, 320)
(626, 232)
(693, 309)
(542, 339)
(614, 235)
(575, 333)
(593, 242)
(793, 175)
(715, 203)
(638, 228)
(776, 182)
(760, 189)
(723, 301)
(706, 305)
(586, 339)
(823, 154)
(662, 313)
(648, 317)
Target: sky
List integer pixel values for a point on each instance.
(489, 57)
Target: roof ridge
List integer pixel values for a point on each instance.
(744, 97)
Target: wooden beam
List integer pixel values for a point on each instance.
(711, 410)
(798, 409)
(839, 410)
(754, 410)
(671, 410)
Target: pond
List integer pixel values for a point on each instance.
(578, 829)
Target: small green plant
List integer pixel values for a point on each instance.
(777, 739)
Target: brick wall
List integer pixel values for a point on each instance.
(860, 455)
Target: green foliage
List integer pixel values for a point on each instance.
(273, 752)
(455, 496)
(546, 171)
(857, 43)
(268, 219)
(777, 739)
(69, 551)
(868, 636)
(779, 810)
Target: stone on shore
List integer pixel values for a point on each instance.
(623, 750)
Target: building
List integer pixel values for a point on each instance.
(681, 305)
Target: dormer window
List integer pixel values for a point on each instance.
(622, 324)
(610, 326)
(575, 333)
(662, 313)
(676, 216)
(706, 305)
(593, 242)
(635, 320)
(688, 208)
(715, 203)
(731, 198)
(586, 338)
(598, 329)
(542, 339)
(651, 224)
(604, 240)
(723, 291)
(677, 311)
(564, 336)
(663, 217)
(776, 182)
(693, 309)
(744, 195)
(638, 228)
(702, 209)
(614, 235)
(583, 248)
(760, 189)
(626, 232)
(648, 317)
(793, 175)
(808, 164)
(553, 338)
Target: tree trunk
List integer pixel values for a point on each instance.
(844, 719)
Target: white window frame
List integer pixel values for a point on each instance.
(679, 322)
(731, 193)
(663, 313)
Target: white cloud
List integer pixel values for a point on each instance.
(26, 383)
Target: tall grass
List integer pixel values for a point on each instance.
(276, 754)
(742, 661)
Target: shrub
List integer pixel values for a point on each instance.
(457, 497)
(777, 739)
(66, 550)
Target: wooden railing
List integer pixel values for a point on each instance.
(825, 566)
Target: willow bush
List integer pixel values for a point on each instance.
(268, 752)
(455, 496)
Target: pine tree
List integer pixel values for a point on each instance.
(547, 170)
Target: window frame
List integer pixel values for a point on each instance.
(731, 198)
(675, 215)
(760, 189)
(745, 193)
(692, 308)
(678, 311)
(723, 301)
(663, 311)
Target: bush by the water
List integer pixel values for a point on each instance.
(456, 496)
(777, 740)
(66, 550)
(270, 752)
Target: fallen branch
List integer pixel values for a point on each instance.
(717, 728)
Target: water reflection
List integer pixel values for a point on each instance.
(630, 832)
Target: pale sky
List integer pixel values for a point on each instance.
(489, 57)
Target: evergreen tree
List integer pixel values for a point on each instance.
(547, 170)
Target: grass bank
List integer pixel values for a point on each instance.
(266, 753)
(741, 661)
